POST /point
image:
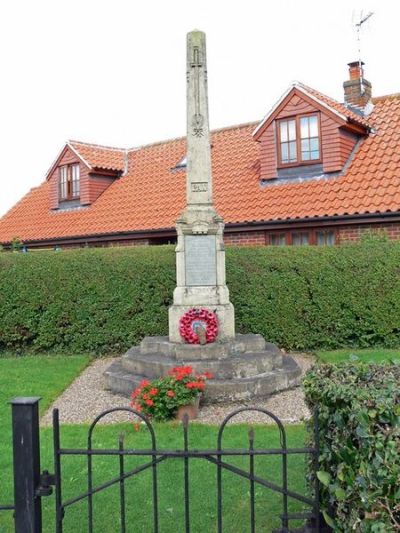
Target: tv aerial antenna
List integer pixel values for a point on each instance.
(361, 19)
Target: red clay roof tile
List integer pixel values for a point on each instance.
(101, 157)
(340, 108)
(151, 194)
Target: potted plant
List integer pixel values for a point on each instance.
(171, 396)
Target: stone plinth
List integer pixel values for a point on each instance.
(245, 367)
(200, 271)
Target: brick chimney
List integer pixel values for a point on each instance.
(357, 90)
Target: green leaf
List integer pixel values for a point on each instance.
(340, 493)
(324, 477)
(328, 519)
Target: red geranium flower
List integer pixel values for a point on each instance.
(150, 403)
(135, 393)
(171, 393)
(153, 391)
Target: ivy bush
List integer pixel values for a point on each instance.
(106, 300)
(359, 431)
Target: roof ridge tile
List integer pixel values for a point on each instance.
(94, 145)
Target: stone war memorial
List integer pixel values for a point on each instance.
(202, 318)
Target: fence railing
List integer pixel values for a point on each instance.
(30, 484)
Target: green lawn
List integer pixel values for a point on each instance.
(48, 376)
(28, 376)
(375, 355)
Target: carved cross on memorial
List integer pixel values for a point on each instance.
(197, 121)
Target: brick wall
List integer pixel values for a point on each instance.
(258, 237)
(129, 242)
(342, 234)
(245, 238)
(354, 233)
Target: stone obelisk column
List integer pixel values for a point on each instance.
(200, 254)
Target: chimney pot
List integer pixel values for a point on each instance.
(356, 70)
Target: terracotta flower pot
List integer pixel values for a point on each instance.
(192, 410)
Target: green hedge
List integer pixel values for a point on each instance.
(105, 300)
(359, 428)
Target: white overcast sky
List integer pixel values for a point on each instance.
(113, 72)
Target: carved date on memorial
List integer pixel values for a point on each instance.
(199, 186)
(200, 260)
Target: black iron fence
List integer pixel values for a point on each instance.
(31, 484)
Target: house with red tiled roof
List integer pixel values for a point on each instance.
(313, 171)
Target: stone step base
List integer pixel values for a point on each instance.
(216, 350)
(248, 364)
(121, 381)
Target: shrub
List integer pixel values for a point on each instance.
(359, 431)
(161, 398)
(304, 298)
(106, 300)
(88, 300)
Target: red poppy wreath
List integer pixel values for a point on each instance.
(198, 326)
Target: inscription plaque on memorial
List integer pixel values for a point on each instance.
(200, 259)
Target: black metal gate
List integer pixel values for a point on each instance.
(31, 485)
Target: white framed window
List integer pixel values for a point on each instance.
(69, 182)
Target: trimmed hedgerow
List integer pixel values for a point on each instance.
(89, 300)
(359, 431)
(309, 297)
(105, 300)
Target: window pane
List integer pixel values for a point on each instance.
(304, 128)
(278, 240)
(313, 121)
(284, 153)
(305, 145)
(295, 239)
(75, 180)
(330, 238)
(314, 155)
(63, 189)
(283, 126)
(292, 130)
(63, 182)
(325, 238)
(75, 188)
(300, 238)
(292, 151)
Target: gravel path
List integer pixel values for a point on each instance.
(86, 397)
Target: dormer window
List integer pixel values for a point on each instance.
(69, 182)
(299, 140)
